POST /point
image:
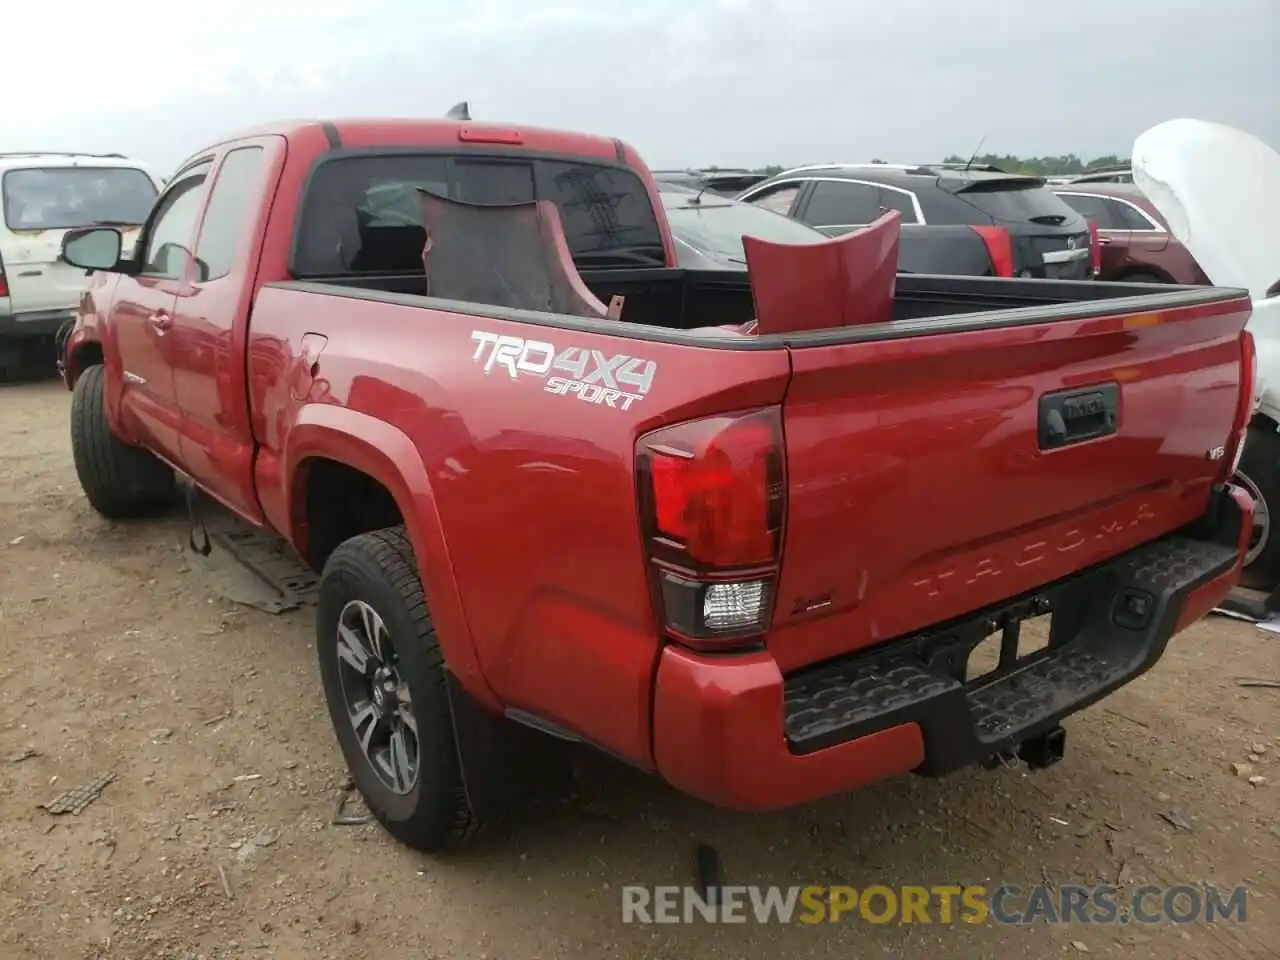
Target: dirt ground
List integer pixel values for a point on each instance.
(215, 839)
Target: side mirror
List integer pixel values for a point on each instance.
(93, 248)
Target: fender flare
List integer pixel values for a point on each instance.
(80, 343)
(386, 454)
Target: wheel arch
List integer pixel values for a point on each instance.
(1137, 269)
(80, 357)
(378, 451)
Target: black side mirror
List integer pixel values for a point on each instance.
(93, 248)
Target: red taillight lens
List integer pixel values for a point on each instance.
(712, 500)
(715, 486)
(1095, 248)
(999, 248)
(1244, 410)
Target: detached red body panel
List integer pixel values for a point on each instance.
(741, 529)
(844, 281)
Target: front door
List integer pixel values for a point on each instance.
(210, 332)
(142, 314)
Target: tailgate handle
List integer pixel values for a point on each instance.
(1074, 416)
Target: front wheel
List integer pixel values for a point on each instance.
(119, 480)
(385, 685)
(1259, 474)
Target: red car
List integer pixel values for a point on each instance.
(1136, 243)
(554, 485)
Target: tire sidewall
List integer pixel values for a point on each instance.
(1260, 462)
(352, 576)
(82, 420)
(119, 480)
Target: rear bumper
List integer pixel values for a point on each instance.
(734, 731)
(33, 323)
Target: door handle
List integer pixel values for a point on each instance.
(162, 320)
(1104, 239)
(1073, 416)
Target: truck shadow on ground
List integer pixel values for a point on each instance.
(590, 804)
(569, 853)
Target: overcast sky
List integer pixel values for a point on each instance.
(688, 82)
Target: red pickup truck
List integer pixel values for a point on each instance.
(755, 563)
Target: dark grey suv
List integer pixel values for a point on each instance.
(1045, 236)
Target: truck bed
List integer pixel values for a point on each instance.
(679, 299)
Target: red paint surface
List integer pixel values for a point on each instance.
(718, 735)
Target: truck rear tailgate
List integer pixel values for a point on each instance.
(930, 476)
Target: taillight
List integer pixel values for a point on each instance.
(1244, 409)
(1095, 249)
(999, 248)
(712, 500)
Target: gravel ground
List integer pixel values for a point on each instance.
(215, 839)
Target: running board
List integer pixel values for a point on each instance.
(287, 582)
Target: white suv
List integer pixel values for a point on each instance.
(42, 196)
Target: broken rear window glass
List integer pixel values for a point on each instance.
(360, 214)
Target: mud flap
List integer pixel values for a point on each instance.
(203, 547)
(503, 764)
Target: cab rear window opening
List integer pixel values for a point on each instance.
(359, 214)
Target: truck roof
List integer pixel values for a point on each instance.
(431, 132)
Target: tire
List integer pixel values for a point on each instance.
(377, 570)
(120, 480)
(1259, 473)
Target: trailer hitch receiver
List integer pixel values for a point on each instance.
(1043, 750)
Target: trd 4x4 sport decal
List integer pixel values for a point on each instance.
(589, 375)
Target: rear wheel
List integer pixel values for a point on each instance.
(1259, 473)
(119, 480)
(385, 685)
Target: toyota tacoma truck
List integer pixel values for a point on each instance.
(740, 529)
